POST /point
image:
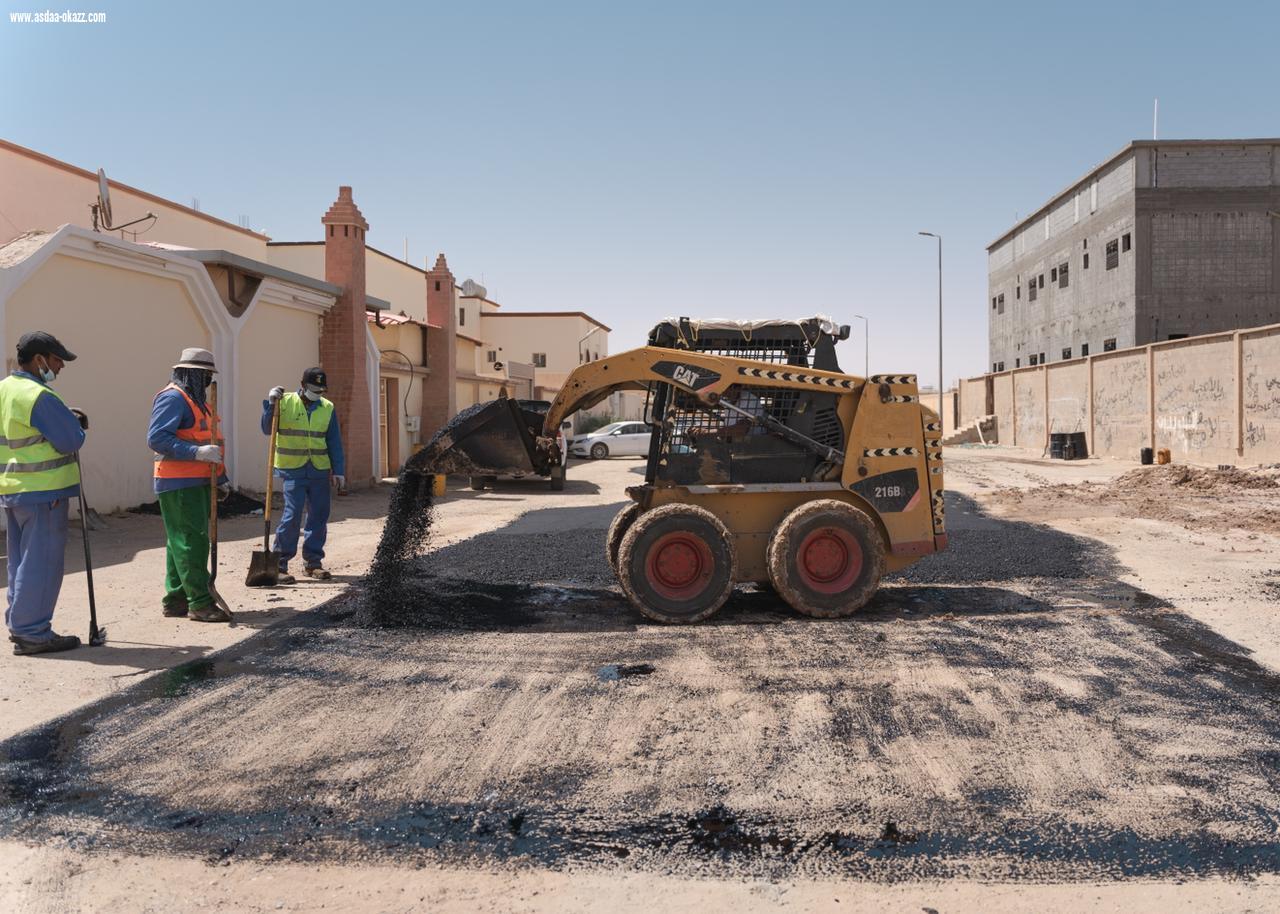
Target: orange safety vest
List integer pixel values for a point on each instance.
(199, 434)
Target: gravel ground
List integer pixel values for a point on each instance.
(1008, 711)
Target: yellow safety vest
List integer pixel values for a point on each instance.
(31, 463)
(300, 437)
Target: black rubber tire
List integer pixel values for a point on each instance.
(557, 482)
(618, 528)
(784, 567)
(691, 527)
(599, 451)
(478, 482)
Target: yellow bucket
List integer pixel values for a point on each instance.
(1163, 456)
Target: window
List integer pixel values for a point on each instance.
(1031, 359)
(437, 281)
(993, 303)
(1040, 280)
(1042, 358)
(1176, 336)
(1084, 349)
(491, 355)
(1017, 363)
(1066, 353)
(1000, 302)
(462, 317)
(1086, 244)
(1001, 368)
(1031, 289)
(1126, 242)
(1086, 261)
(1017, 292)
(1053, 275)
(1109, 345)
(539, 360)
(1062, 276)
(1113, 254)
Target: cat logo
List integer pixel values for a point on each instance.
(686, 376)
(690, 377)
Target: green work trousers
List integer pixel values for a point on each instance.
(186, 559)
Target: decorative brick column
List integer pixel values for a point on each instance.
(342, 338)
(440, 393)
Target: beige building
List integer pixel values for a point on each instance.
(261, 308)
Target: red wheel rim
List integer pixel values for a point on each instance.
(829, 560)
(679, 566)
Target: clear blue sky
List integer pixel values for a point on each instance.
(644, 159)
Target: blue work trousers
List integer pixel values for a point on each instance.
(313, 495)
(37, 540)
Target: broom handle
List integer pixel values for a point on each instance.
(271, 461)
(213, 484)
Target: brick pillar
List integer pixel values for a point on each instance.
(342, 338)
(439, 395)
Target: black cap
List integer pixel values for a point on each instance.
(316, 378)
(41, 343)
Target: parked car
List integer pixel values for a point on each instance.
(618, 439)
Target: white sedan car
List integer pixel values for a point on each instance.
(618, 439)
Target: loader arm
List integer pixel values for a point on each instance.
(704, 375)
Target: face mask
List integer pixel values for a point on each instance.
(310, 394)
(46, 374)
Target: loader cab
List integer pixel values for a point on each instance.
(690, 446)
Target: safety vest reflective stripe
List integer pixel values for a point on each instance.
(14, 467)
(28, 462)
(21, 442)
(301, 435)
(199, 433)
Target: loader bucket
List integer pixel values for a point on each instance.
(498, 438)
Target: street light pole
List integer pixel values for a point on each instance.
(866, 346)
(940, 385)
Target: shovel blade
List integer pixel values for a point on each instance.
(264, 569)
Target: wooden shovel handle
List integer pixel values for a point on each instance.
(271, 472)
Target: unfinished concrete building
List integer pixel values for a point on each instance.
(1165, 239)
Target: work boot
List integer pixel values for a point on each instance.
(210, 613)
(50, 645)
(174, 608)
(317, 572)
(286, 578)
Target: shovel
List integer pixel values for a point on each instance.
(264, 565)
(213, 505)
(97, 636)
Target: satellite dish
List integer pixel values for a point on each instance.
(104, 199)
(102, 209)
(497, 366)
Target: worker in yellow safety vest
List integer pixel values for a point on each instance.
(40, 437)
(309, 459)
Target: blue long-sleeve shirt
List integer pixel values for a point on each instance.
(60, 427)
(168, 414)
(332, 440)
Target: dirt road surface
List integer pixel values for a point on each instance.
(1069, 709)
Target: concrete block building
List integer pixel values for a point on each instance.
(1166, 239)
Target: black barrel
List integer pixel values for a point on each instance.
(1147, 456)
(1076, 447)
(1057, 444)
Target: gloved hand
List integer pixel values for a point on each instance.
(274, 394)
(339, 482)
(82, 417)
(224, 491)
(209, 453)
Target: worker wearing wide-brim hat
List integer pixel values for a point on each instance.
(181, 434)
(39, 475)
(309, 458)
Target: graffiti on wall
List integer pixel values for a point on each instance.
(1120, 405)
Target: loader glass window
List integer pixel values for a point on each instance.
(539, 360)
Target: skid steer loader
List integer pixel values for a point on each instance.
(766, 464)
